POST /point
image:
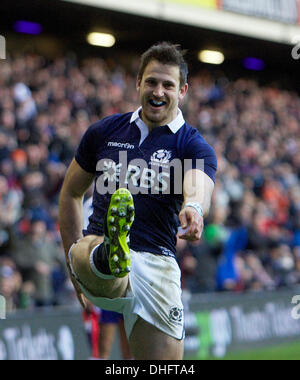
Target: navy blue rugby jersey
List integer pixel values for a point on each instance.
(121, 152)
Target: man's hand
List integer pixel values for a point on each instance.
(192, 223)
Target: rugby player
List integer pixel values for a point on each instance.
(140, 277)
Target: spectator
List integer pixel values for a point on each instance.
(10, 212)
(199, 260)
(37, 257)
(26, 109)
(10, 284)
(10, 201)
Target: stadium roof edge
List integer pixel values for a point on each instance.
(202, 17)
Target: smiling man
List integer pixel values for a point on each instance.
(140, 278)
(161, 87)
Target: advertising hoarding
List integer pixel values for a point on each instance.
(285, 11)
(221, 324)
(212, 4)
(43, 335)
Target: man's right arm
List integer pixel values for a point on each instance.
(76, 183)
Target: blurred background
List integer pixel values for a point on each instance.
(67, 64)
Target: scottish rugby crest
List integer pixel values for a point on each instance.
(161, 156)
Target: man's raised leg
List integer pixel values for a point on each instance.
(102, 264)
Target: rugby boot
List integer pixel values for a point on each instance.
(119, 219)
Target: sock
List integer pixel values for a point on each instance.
(100, 259)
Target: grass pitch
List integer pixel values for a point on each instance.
(282, 352)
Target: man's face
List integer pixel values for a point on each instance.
(160, 93)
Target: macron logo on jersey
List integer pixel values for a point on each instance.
(120, 145)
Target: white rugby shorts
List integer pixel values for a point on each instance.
(153, 294)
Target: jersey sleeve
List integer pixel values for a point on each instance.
(198, 149)
(86, 152)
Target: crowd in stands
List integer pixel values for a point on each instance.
(252, 237)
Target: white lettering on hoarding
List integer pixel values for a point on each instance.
(296, 310)
(2, 307)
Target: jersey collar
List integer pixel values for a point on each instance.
(174, 125)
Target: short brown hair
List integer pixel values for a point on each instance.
(167, 54)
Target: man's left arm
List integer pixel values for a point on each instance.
(198, 188)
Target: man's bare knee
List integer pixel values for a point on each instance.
(81, 255)
(97, 286)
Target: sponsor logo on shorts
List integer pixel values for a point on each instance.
(166, 252)
(176, 315)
